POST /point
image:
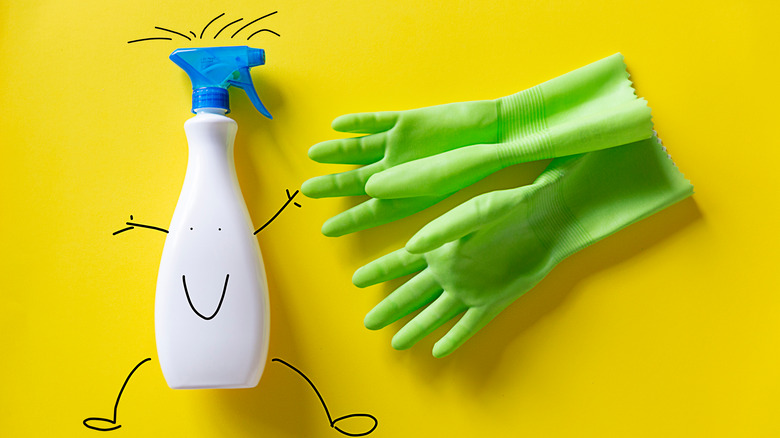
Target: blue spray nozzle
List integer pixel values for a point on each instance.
(213, 69)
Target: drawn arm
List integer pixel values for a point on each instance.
(289, 199)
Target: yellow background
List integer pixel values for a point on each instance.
(669, 328)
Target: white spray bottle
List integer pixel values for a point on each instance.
(211, 308)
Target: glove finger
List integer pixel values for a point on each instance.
(464, 219)
(439, 174)
(359, 150)
(422, 289)
(396, 264)
(365, 123)
(474, 319)
(350, 183)
(375, 212)
(440, 311)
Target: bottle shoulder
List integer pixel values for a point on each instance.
(209, 118)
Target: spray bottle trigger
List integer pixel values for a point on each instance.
(244, 82)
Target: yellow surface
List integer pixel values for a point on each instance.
(669, 328)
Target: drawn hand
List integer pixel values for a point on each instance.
(289, 200)
(133, 225)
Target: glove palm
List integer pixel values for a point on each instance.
(482, 255)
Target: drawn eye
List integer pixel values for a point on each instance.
(220, 229)
(190, 228)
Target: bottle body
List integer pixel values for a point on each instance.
(211, 304)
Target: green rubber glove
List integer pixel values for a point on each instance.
(484, 254)
(423, 155)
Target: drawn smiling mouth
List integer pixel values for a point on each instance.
(192, 306)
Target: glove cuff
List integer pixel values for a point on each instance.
(551, 219)
(590, 108)
(583, 199)
(521, 116)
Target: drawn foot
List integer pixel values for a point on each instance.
(331, 420)
(104, 424)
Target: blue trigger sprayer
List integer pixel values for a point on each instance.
(211, 307)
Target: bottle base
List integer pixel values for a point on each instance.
(216, 386)
(213, 385)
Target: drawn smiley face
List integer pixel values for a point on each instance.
(192, 306)
(202, 315)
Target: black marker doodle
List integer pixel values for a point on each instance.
(262, 30)
(209, 24)
(173, 31)
(112, 421)
(149, 39)
(192, 306)
(327, 412)
(226, 26)
(252, 22)
(203, 31)
(289, 198)
(132, 225)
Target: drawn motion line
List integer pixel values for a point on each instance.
(212, 20)
(203, 31)
(173, 31)
(252, 22)
(226, 26)
(262, 30)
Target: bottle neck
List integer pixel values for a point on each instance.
(210, 98)
(210, 137)
(211, 175)
(218, 111)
